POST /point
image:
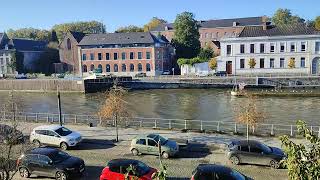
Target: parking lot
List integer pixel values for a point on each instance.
(98, 148)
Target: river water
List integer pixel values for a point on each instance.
(204, 104)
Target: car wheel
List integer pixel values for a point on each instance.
(135, 152)
(24, 172)
(274, 164)
(36, 143)
(165, 155)
(235, 160)
(61, 175)
(64, 146)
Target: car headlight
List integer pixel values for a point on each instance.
(70, 169)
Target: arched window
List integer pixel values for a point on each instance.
(107, 68)
(84, 68)
(124, 68)
(139, 67)
(92, 67)
(131, 67)
(68, 44)
(148, 67)
(100, 67)
(115, 68)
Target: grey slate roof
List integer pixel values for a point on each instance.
(77, 35)
(287, 30)
(28, 45)
(119, 38)
(248, 21)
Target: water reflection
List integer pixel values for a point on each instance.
(210, 104)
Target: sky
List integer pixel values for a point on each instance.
(44, 14)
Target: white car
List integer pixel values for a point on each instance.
(55, 135)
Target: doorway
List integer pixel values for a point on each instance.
(229, 67)
(315, 66)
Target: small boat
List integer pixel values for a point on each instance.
(238, 91)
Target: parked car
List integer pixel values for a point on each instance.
(141, 75)
(55, 135)
(221, 73)
(21, 76)
(10, 135)
(148, 144)
(166, 72)
(216, 172)
(254, 152)
(117, 168)
(50, 162)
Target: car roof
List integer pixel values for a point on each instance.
(213, 168)
(122, 162)
(48, 127)
(145, 136)
(43, 151)
(245, 142)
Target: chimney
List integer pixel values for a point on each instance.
(235, 24)
(264, 26)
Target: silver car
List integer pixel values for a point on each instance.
(254, 152)
(55, 135)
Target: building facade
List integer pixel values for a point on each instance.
(282, 50)
(212, 31)
(5, 56)
(125, 54)
(68, 52)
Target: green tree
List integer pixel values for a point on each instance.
(252, 63)
(285, 17)
(186, 36)
(213, 63)
(206, 53)
(130, 28)
(154, 22)
(317, 23)
(292, 63)
(17, 61)
(303, 160)
(30, 33)
(80, 26)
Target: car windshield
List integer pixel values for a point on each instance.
(58, 156)
(158, 137)
(265, 148)
(63, 131)
(142, 168)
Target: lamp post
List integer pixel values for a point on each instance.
(59, 106)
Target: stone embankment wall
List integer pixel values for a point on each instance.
(42, 85)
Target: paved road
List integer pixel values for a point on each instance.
(98, 148)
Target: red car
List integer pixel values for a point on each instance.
(117, 168)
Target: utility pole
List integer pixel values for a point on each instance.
(59, 106)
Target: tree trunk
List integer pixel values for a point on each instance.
(116, 124)
(247, 132)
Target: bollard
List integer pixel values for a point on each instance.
(311, 129)
(185, 124)
(218, 127)
(155, 124)
(76, 119)
(235, 128)
(170, 125)
(272, 132)
(291, 131)
(201, 126)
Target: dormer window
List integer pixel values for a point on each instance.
(235, 24)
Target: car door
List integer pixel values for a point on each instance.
(53, 138)
(141, 145)
(257, 155)
(46, 167)
(114, 173)
(152, 147)
(41, 135)
(244, 154)
(32, 163)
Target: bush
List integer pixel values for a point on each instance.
(192, 61)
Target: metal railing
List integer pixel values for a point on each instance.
(159, 123)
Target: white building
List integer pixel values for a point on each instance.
(272, 48)
(197, 69)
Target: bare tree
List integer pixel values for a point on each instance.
(115, 108)
(249, 113)
(12, 142)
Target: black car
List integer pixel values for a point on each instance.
(50, 162)
(221, 73)
(216, 172)
(254, 152)
(10, 135)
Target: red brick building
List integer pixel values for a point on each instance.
(125, 54)
(212, 31)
